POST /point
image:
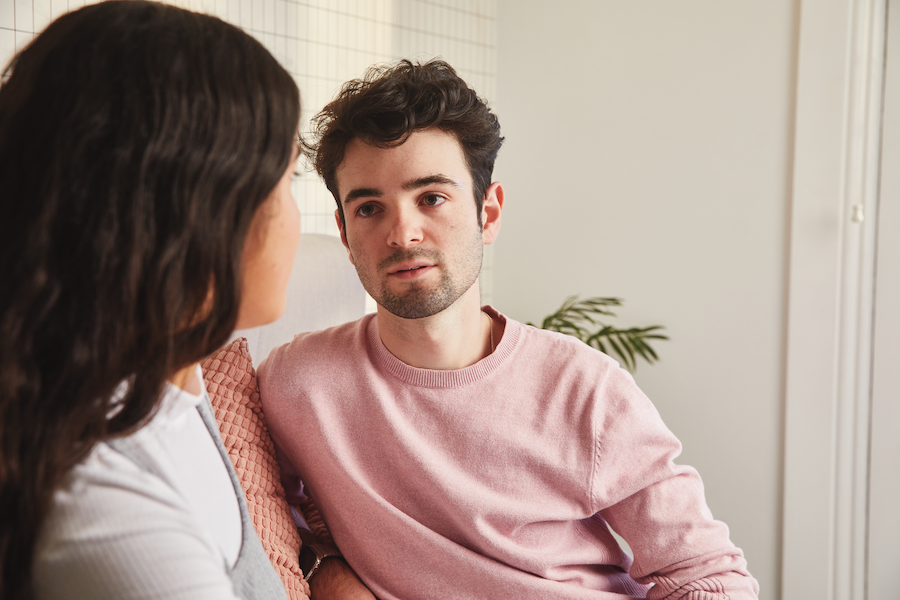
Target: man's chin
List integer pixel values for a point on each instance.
(415, 303)
(412, 311)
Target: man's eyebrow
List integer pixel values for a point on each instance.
(413, 184)
(430, 180)
(358, 193)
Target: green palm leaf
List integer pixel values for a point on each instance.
(583, 319)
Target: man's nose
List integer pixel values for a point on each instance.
(406, 228)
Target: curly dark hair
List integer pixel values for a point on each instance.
(389, 103)
(137, 141)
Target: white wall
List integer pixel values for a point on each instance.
(648, 156)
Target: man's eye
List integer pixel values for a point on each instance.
(433, 200)
(366, 210)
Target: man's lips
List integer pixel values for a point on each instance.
(409, 264)
(409, 270)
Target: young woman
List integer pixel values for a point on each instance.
(146, 155)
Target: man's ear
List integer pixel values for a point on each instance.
(491, 210)
(340, 224)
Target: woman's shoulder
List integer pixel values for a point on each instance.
(103, 491)
(116, 530)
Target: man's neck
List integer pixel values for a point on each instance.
(455, 338)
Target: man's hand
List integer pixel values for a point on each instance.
(335, 580)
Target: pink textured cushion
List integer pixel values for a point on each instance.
(231, 383)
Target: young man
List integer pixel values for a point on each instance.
(452, 451)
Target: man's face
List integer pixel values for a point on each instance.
(411, 224)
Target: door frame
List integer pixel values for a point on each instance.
(840, 77)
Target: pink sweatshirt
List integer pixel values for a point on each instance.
(499, 480)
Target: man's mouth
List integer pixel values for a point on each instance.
(409, 270)
(409, 263)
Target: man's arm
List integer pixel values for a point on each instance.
(678, 546)
(659, 507)
(335, 580)
(326, 571)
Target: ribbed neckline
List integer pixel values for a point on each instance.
(432, 378)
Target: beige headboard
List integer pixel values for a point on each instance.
(324, 290)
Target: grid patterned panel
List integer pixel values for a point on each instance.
(323, 43)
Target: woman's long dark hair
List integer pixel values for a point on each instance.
(137, 141)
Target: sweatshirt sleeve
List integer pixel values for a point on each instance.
(659, 507)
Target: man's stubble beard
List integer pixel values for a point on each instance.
(422, 300)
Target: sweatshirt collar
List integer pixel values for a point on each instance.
(433, 378)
